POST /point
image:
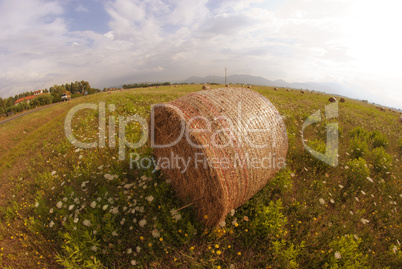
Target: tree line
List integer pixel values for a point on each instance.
(144, 85)
(53, 95)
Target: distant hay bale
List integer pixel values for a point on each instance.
(227, 85)
(206, 87)
(219, 132)
(249, 86)
(301, 91)
(332, 99)
(275, 89)
(287, 90)
(342, 100)
(400, 119)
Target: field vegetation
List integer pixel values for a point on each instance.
(66, 207)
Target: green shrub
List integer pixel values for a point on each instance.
(382, 161)
(345, 253)
(285, 254)
(269, 220)
(282, 181)
(358, 147)
(378, 139)
(358, 132)
(357, 172)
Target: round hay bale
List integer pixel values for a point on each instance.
(275, 89)
(302, 92)
(249, 86)
(206, 87)
(233, 139)
(332, 99)
(227, 85)
(342, 100)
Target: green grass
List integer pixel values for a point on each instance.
(64, 207)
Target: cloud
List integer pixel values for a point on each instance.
(81, 8)
(317, 40)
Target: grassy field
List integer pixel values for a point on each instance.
(64, 207)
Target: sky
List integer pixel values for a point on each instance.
(354, 43)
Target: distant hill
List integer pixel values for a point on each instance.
(329, 87)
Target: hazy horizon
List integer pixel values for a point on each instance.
(113, 42)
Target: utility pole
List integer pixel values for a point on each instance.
(225, 75)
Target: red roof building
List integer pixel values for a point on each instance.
(28, 98)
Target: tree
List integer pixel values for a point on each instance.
(3, 106)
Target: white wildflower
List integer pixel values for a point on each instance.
(155, 233)
(105, 207)
(115, 210)
(75, 220)
(149, 198)
(370, 179)
(36, 204)
(122, 221)
(363, 192)
(337, 255)
(364, 221)
(87, 223)
(321, 201)
(93, 204)
(357, 199)
(232, 212)
(75, 228)
(142, 222)
(173, 212)
(177, 216)
(134, 220)
(332, 201)
(51, 224)
(129, 251)
(80, 157)
(51, 211)
(222, 223)
(340, 186)
(53, 173)
(59, 204)
(94, 232)
(395, 249)
(108, 176)
(84, 184)
(133, 262)
(114, 233)
(138, 249)
(71, 207)
(94, 248)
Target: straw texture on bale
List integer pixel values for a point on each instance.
(219, 132)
